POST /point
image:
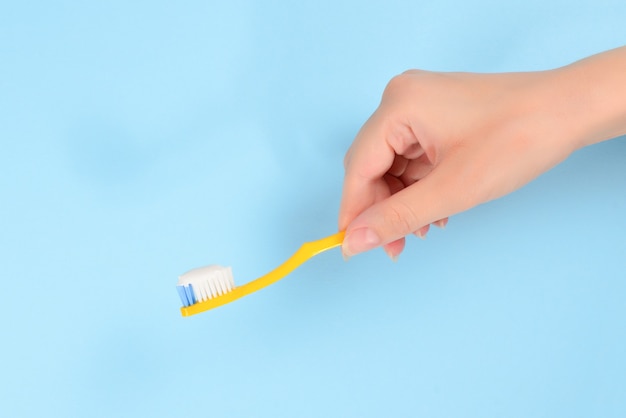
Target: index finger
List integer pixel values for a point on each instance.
(366, 162)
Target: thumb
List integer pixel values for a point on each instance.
(424, 202)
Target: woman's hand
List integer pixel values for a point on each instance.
(441, 143)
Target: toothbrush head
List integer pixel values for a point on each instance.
(204, 283)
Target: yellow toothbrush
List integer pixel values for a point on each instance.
(206, 288)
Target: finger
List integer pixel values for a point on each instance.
(381, 139)
(440, 194)
(416, 170)
(394, 249)
(399, 166)
(394, 184)
(421, 232)
(368, 159)
(441, 223)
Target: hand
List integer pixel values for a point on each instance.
(442, 143)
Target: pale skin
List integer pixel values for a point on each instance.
(442, 143)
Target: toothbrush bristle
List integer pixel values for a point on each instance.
(204, 283)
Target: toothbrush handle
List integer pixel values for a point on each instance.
(305, 252)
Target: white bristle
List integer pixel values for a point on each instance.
(208, 282)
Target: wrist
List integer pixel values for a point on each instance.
(589, 98)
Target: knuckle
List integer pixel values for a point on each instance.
(397, 85)
(404, 82)
(346, 159)
(400, 219)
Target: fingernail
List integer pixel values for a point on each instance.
(441, 223)
(422, 232)
(345, 256)
(394, 258)
(360, 240)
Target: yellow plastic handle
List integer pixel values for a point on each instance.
(306, 251)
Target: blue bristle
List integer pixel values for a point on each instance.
(183, 295)
(190, 295)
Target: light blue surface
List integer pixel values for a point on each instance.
(142, 139)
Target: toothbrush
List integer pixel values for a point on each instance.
(209, 287)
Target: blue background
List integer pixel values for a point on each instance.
(142, 139)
